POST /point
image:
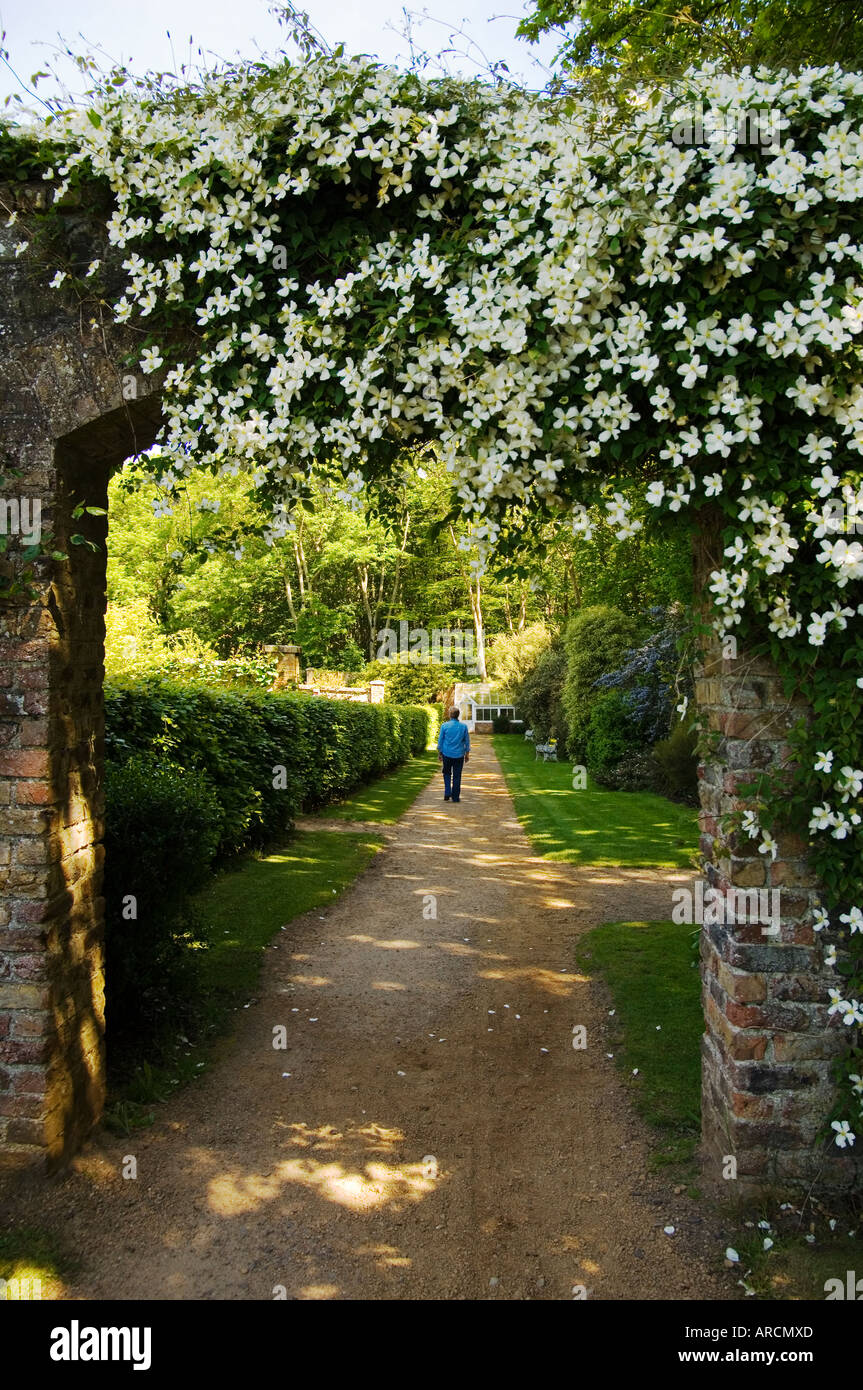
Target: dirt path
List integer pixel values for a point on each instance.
(437, 1132)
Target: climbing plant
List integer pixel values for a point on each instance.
(333, 261)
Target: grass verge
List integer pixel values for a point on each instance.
(387, 798)
(593, 826)
(651, 972)
(803, 1251)
(243, 909)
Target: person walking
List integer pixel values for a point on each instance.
(453, 750)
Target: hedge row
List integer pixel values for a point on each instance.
(266, 756)
(192, 772)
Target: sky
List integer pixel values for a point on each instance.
(138, 34)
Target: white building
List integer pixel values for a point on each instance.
(479, 703)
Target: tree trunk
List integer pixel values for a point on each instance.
(474, 590)
(289, 594)
(394, 597)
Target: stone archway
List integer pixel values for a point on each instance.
(767, 1045)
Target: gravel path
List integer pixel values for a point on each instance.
(437, 1136)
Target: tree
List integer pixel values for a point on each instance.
(654, 37)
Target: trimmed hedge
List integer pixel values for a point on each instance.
(266, 756)
(162, 830)
(193, 772)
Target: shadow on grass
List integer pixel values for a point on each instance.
(651, 972)
(387, 798)
(590, 825)
(243, 909)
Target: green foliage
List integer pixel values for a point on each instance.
(266, 756)
(511, 655)
(669, 768)
(193, 772)
(500, 724)
(610, 734)
(163, 825)
(637, 771)
(136, 646)
(539, 697)
(656, 37)
(412, 683)
(595, 641)
(677, 760)
(323, 633)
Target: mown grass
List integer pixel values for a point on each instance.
(243, 909)
(592, 826)
(651, 972)
(386, 799)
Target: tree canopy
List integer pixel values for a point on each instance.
(666, 36)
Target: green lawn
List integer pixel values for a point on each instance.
(652, 975)
(389, 797)
(593, 826)
(240, 912)
(246, 906)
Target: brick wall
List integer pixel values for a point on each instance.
(768, 1043)
(65, 426)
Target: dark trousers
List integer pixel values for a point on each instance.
(452, 771)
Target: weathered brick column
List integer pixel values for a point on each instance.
(65, 425)
(768, 1043)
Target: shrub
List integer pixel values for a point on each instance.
(193, 772)
(163, 826)
(512, 655)
(500, 724)
(678, 764)
(637, 771)
(669, 768)
(609, 734)
(136, 646)
(266, 756)
(437, 715)
(652, 676)
(596, 641)
(539, 697)
(413, 683)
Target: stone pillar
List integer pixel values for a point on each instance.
(288, 666)
(376, 692)
(768, 1043)
(71, 411)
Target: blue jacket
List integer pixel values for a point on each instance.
(453, 739)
